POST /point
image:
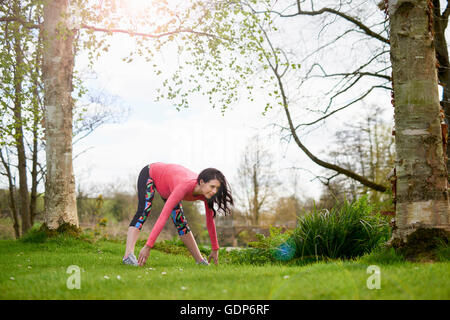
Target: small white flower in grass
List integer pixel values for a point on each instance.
(29, 267)
(12, 278)
(286, 277)
(181, 269)
(118, 278)
(183, 288)
(163, 272)
(139, 277)
(106, 277)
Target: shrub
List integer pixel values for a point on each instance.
(278, 246)
(35, 235)
(442, 253)
(347, 230)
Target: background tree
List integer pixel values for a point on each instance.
(22, 139)
(257, 180)
(286, 212)
(19, 66)
(366, 146)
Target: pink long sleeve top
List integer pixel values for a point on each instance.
(175, 183)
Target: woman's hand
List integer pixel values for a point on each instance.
(215, 256)
(143, 255)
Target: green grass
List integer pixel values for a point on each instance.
(39, 272)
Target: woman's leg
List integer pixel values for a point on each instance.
(185, 233)
(146, 193)
(132, 236)
(189, 241)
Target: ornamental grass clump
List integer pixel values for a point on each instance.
(348, 230)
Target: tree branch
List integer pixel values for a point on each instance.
(21, 21)
(331, 166)
(356, 22)
(147, 35)
(339, 109)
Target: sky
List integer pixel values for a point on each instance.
(112, 156)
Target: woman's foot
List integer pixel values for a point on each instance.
(130, 260)
(204, 262)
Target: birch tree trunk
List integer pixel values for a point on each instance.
(58, 61)
(422, 185)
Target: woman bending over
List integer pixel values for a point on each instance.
(175, 183)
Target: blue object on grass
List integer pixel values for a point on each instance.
(285, 251)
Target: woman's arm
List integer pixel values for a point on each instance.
(211, 226)
(175, 197)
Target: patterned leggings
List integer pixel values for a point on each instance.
(146, 193)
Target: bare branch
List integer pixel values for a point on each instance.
(445, 15)
(356, 22)
(322, 163)
(341, 108)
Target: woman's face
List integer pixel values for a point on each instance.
(210, 188)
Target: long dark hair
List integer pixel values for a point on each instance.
(223, 197)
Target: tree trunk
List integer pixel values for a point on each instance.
(422, 185)
(12, 200)
(24, 207)
(440, 25)
(255, 195)
(58, 60)
(35, 130)
(34, 172)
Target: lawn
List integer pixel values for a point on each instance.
(39, 271)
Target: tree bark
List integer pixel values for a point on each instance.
(422, 185)
(58, 61)
(24, 207)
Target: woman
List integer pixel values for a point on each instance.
(175, 183)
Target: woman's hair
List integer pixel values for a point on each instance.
(223, 197)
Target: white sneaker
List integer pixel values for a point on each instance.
(130, 260)
(204, 262)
